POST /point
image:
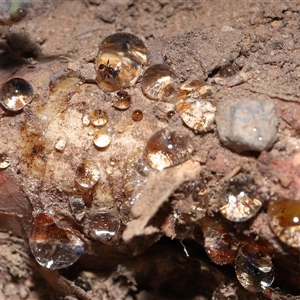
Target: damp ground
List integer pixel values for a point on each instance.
(54, 47)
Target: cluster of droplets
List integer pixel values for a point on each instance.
(120, 62)
(240, 201)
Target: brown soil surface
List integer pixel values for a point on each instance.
(152, 257)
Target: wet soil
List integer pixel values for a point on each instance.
(54, 47)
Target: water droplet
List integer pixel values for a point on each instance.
(227, 70)
(121, 128)
(193, 107)
(104, 226)
(284, 219)
(137, 115)
(78, 207)
(53, 247)
(98, 117)
(16, 93)
(102, 138)
(167, 148)
(4, 161)
(170, 114)
(87, 174)
(220, 245)
(86, 120)
(61, 143)
(121, 100)
(253, 267)
(158, 82)
(239, 199)
(120, 61)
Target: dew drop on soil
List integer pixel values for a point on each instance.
(53, 247)
(253, 267)
(120, 61)
(167, 148)
(158, 82)
(16, 93)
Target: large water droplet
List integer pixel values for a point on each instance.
(285, 221)
(193, 106)
(253, 267)
(158, 82)
(16, 93)
(167, 148)
(220, 245)
(120, 61)
(239, 199)
(53, 247)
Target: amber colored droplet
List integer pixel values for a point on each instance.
(167, 148)
(121, 100)
(16, 93)
(239, 199)
(87, 174)
(170, 114)
(194, 107)
(220, 245)
(104, 226)
(158, 82)
(284, 219)
(254, 267)
(98, 117)
(227, 70)
(53, 247)
(4, 161)
(137, 115)
(120, 61)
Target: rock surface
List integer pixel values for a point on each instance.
(247, 125)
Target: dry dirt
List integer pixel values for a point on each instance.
(54, 47)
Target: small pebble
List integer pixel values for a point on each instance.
(247, 125)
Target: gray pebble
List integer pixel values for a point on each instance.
(247, 125)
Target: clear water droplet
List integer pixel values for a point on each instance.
(239, 199)
(284, 220)
(86, 120)
(53, 247)
(4, 161)
(120, 61)
(193, 106)
(253, 267)
(158, 82)
(61, 143)
(104, 226)
(87, 174)
(102, 138)
(167, 148)
(16, 93)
